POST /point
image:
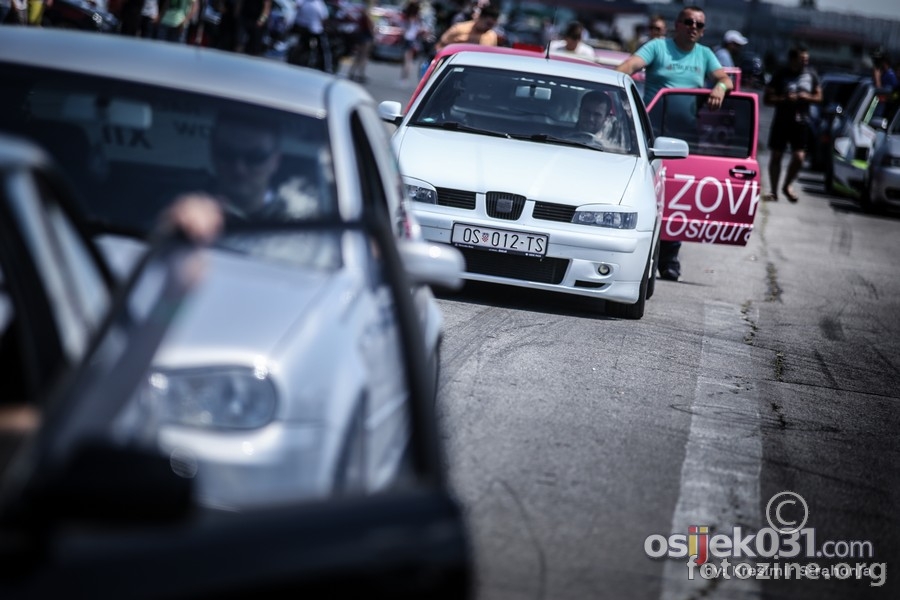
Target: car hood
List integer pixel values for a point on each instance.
(243, 309)
(561, 174)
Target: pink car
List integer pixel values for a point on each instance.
(711, 196)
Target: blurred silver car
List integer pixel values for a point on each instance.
(85, 506)
(883, 178)
(282, 379)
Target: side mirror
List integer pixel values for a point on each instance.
(842, 145)
(391, 111)
(666, 147)
(438, 265)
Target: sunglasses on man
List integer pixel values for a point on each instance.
(693, 23)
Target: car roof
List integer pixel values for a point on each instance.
(263, 81)
(525, 60)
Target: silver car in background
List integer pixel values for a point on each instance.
(281, 379)
(883, 179)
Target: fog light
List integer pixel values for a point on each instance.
(604, 269)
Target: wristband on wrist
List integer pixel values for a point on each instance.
(722, 85)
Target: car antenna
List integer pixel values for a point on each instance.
(555, 13)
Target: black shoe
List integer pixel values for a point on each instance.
(669, 274)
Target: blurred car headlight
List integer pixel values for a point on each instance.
(606, 218)
(890, 161)
(420, 193)
(228, 398)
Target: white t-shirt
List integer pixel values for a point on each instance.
(582, 50)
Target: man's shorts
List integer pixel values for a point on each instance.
(795, 134)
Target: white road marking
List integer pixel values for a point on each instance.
(723, 456)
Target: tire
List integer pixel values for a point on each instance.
(632, 311)
(866, 202)
(654, 267)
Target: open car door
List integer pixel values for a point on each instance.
(85, 511)
(711, 196)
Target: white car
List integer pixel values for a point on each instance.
(282, 379)
(494, 161)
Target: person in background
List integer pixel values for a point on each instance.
(310, 24)
(679, 62)
(364, 38)
(791, 91)
(480, 30)
(414, 33)
(130, 17)
(657, 27)
(251, 26)
(883, 74)
(730, 50)
(149, 19)
(572, 44)
(14, 12)
(175, 15)
(36, 11)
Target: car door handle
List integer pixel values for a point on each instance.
(742, 172)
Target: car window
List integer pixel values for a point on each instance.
(520, 104)
(727, 131)
(129, 148)
(642, 113)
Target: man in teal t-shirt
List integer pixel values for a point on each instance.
(679, 62)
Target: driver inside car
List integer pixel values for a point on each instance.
(595, 120)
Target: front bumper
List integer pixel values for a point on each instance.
(575, 253)
(885, 186)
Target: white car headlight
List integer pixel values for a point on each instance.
(228, 398)
(420, 193)
(606, 218)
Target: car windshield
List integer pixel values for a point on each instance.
(527, 106)
(130, 148)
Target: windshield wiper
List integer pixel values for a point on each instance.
(552, 139)
(457, 126)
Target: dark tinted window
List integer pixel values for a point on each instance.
(131, 148)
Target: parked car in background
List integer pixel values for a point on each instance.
(882, 188)
(87, 503)
(282, 382)
(532, 199)
(387, 32)
(869, 112)
(79, 14)
(837, 90)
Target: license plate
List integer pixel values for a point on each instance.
(499, 240)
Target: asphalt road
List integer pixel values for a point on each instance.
(573, 437)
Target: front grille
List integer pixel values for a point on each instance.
(505, 206)
(547, 211)
(514, 266)
(456, 198)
